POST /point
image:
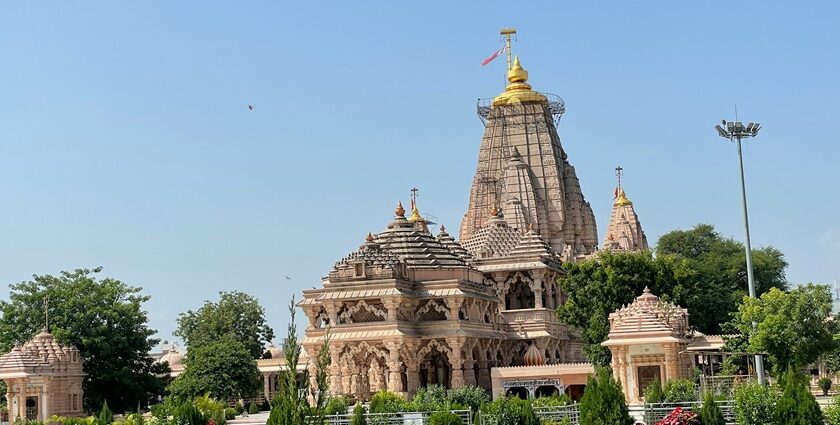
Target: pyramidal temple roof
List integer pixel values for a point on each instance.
(41, 355)
(624, 233)
(648, 318)
(495, 239)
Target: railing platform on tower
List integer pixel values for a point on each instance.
(556, 106)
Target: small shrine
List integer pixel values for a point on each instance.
(648, 340)
(43, 378)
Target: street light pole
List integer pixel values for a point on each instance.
(735, 131)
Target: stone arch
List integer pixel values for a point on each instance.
(520, 293)
(435, 367)
(366, 369)
(362, 312)
(433, 310)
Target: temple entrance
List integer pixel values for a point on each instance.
(520, 392)
(546, 391)
(435, 369)
(575, 391)
(646, 375)
(31, 408)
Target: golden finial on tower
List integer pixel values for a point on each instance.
(517, 90)
(400, 211)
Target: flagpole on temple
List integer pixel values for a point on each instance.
(507, 33)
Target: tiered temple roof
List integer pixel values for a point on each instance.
(649, 319)
(624, 232)
(41, 355)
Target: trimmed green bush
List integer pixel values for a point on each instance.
(552, 401)
(252, 408)
(358, 415)
(105, 417)
(825, 385)
(754, 404)
(797, 406)
(832, 412)
(444, 418)
(680, 390)
(528, 416)
(654, 393)
(431, 398)
(336, 405)
(388, 402)
(710, 413)
(470, 396)
(603, 401)
(240, 409)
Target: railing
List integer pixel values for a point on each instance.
(401, 418)
(558, 413)
(655, 412)
(722, 384)
(544, 315)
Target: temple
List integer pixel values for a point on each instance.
(43, 378)
(525, 174)
(624, 233)
(410, 308)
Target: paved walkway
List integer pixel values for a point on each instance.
(257, 418)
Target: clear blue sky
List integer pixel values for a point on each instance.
(126, 142)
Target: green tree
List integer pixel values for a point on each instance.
(654, 392)
(680, 390)
(603, 401)
(599, 286)
(754, 403)
(104, 319)
(223, 369)
(797, 406)
(358, 415)
(720, 264)
(793, 328)
(710, 413)
(236, 313)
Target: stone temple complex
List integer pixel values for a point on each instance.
(410, 308)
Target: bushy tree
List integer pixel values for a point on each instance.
(105, 416)
(793, 328)
(236, 314)
(336, 405)
(102, 317)
(832, 412)
(599, 286)
(290, 405)
(388, 402)
(680, 390)
(444, 418)
(528, 415)
(710, 413)
(797, 406)
(427, 399)
(223, 369)
(754, 404)
(603, 401)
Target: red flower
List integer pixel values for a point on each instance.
(679, 417)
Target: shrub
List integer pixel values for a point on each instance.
(387, 402)
(654, 393)
(504, 411)
(429, 399)
(187, 414)
(753, 404)
(336, 405)
(444, 418)
(358, 415)
(710, 413)
(105, 417)
(680, 390)
(552, 401)
(528, 417)
(832, 412)
(469, 396)
(240, 409)
(210, 409)
(603, 401)
(230, 413)
(133, 419)
(680, 417)
(825, 385)
(797, 406)
(252, 408)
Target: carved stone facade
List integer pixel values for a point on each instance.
(43, 378)
(648, 340)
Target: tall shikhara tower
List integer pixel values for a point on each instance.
(524, 173)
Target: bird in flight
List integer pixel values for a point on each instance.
(288, 278)
(250, 107)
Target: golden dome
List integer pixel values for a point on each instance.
(517, 90)
(622, 200)
(534, 357)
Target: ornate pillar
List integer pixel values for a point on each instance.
(671, 362)
(313, 369)
(267, 385)
(469, 372)
(456, 360)
(537, 287)
(393, 306)
(394, 365)
(454, 305)
(332, 312)
(335, 370)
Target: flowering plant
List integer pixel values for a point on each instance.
(680, 417)
(211, 422)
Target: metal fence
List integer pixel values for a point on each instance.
(655, 412)
(558, 413)
(401, 418)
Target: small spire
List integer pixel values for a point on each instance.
(494, 212)
(622, 199)
(647, 290)
(442, 229)
(369, 237)
(400, 211)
